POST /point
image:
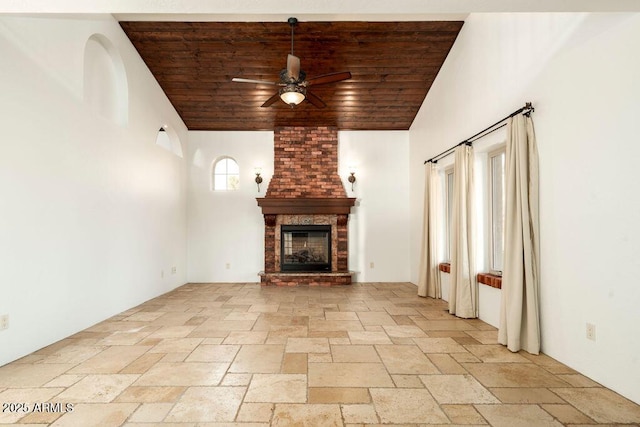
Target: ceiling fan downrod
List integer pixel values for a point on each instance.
(292, 23)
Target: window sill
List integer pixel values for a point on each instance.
(484, 278)
(490, 280)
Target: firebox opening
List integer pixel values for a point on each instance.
(305, 248)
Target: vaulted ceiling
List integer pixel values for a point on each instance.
(392, 64)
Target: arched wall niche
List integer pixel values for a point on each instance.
(105, 86)
(168, 139)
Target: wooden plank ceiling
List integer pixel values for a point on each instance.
(393, 65)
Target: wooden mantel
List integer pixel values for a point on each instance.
(313, 206)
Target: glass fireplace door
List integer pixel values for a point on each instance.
(305, 248)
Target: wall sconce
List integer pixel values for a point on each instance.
(258, 179)
(352, 176)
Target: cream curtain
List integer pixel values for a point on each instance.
(519, 315)
(463, 289)
(429, 279)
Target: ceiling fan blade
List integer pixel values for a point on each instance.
(329, 78)
(260, 82)
(269, 102)
(293, 66)
(314, 100)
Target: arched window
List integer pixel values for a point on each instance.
(226, 174)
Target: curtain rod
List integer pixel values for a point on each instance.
(526, 110)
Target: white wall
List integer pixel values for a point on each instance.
(91, 212)
(580, 74)
(227, 227)
(379, 223)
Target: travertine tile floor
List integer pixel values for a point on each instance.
(239, 354)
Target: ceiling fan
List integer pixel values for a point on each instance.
(293, 81)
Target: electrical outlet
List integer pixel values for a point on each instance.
(4, 322)
(591, 331)
(370, 265)
(173, 270)
(228, 266)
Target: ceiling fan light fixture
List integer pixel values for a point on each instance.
(292, 94)
(293, 81)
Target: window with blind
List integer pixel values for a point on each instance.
(449, 207)
(496, 209)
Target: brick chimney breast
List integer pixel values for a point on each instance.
(306, 190)
(305, 164)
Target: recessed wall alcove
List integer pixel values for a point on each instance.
(169, 140)
(105, 86)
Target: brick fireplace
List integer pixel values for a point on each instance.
(305, 191)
